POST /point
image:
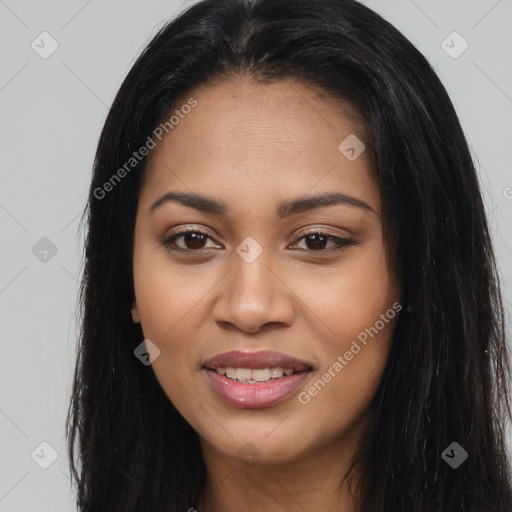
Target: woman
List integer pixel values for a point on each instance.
(290, 299)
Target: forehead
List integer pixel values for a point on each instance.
(246, 138)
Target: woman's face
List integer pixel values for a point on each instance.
(259, 289)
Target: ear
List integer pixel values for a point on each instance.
(135, 313)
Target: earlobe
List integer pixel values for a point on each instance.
(135, 314)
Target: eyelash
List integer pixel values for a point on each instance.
(342, 242)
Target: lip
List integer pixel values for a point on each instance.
(255, 395)
(255, 360)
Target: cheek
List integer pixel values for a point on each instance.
(356, 306)
(342, 388)
(352, 295)
(169, 305)
(165, 301)
(167, 293)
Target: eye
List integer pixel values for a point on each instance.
(316, 242)
(193, 240)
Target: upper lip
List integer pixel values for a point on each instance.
(255, 360)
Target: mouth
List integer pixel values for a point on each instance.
(257, 379)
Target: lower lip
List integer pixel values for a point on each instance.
(245, 395)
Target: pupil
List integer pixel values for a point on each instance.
(318, 242)
(194, 238)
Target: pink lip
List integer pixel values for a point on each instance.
(264, 394)
(245, 395)
(255, 360)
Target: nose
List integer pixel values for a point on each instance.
(253, 296)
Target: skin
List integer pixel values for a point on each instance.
(253, 146)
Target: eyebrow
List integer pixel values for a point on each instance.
(285, 209)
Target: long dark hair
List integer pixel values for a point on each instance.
(448, 371)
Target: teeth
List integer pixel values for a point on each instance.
(243, 374)
(276, 372)
(261, 375)
(257, 375)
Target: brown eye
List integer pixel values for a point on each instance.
(316, 242)
(193, 240)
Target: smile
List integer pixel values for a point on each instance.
(255, 380)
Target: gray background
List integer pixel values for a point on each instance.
(52, 111)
